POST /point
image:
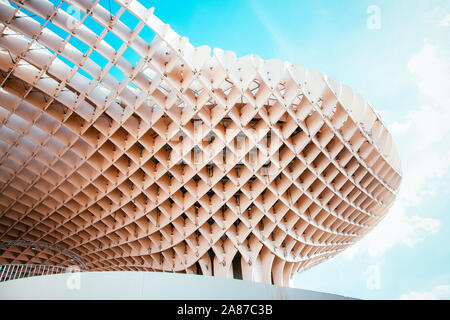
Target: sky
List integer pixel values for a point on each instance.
(396, 54)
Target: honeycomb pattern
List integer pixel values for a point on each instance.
(178, 160)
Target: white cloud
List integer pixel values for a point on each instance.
(431, 67)
(424, 147)
(446, 21)
(437, 293)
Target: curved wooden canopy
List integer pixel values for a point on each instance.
(187, 161)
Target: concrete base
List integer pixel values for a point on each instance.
(148, 285)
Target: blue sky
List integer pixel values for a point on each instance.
(403, 69)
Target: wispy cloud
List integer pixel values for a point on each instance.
(437, 293)
(282, 43)
(446, 21)
(422, 139)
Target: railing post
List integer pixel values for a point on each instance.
(3, 271)
(11, 272)
(16, 268)
(16, 272)
(34, 269)
(25, 271)
(20, 272)
(7, 272)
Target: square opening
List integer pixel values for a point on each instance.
(98, 59)
(129, 19)
(79, 45)
(147, 34)
(131, 56)
(63, 34)
(93, 25)
(113, 41)
(116, 73)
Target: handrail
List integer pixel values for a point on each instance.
(43, 245)
(19, 271)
